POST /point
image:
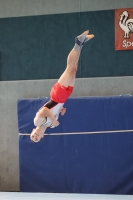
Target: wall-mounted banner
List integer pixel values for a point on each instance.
(124, 29)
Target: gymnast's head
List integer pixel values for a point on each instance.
(37, 134)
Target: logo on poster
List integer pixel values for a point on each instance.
(126, 24)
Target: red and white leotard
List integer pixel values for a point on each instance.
(55, 108)
(58, 94)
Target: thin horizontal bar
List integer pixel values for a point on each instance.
(80, 133)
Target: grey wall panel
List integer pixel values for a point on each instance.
(16, 8)
(11, 91)
(88, 5)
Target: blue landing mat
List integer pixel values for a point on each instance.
(95, 164)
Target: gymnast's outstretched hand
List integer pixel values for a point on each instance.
(63, 111)
(55, 122)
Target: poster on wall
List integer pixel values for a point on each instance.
(124, 29)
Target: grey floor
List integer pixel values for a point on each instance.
(48, 196)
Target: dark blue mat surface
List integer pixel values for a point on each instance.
(96, 163)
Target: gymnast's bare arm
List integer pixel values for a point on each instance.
(45, 112)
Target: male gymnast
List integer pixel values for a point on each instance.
(48, 114)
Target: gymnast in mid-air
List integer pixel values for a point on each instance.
(48, 114)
